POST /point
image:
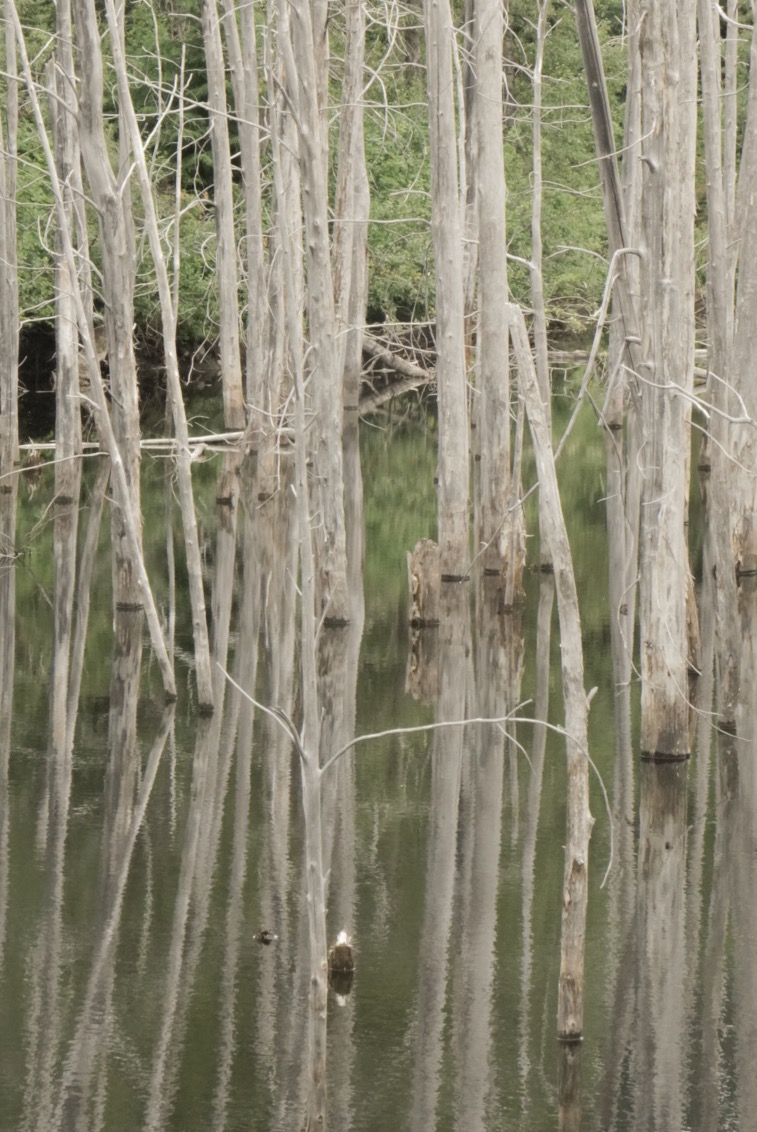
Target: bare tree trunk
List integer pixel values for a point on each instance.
(301, 55)
(128, 513)
(226, 247)
(351, 207)
(112, 199)
(9, 273)
(241, 47)
(168, 316)
(309, 740)
(664, 372)
(580, 821)
(446, 225)
(492, 417)
(720, 319)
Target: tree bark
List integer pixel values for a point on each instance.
(492, 398)
(241, 47)
(9, 320)
(226, 244)
(302, 51)
(580, 821)
(664, 372)
(446, 226)
(175, 396)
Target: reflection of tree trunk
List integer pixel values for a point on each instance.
(741, 864)
(450, 346)
(446, 766)
(45, 1022)
(661, 944)
(210, 776)
(8, 499)
(570, 1088)
(339, 675)
(498, 675)
(538, 746)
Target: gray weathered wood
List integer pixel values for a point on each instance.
(446, 226)
(579, 821)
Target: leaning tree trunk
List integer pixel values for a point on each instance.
(580, 821)
(446, 226)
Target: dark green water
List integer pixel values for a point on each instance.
(132, 992)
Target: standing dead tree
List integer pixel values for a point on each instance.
(226, 245)
(175, 396)
(129, 516)
(238, 25)
(9, 273)
(305, 92)
(666, 374)
(499, 530)
(658, 337)
(110, 192)
(446, 226)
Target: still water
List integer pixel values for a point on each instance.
(135, 876)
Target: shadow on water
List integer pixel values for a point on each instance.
(155, 965)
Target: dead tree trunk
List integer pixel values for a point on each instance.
(580, 821)
(111, 195)
(9, 273)
(446, 225)
(128, 512)
(305, 94)
(496, 526)
(175, 396)
(308, 741)
(667, 358)
(226, 250)
(241, 47)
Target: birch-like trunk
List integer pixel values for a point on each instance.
(446, 225)
(226, 244)
(579, 821)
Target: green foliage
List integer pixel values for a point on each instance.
(164, 43)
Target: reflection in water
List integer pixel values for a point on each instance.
(454, 702)
(8, 502)
(132, 989)
(538, 747)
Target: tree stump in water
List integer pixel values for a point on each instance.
(424, 580)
